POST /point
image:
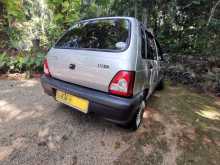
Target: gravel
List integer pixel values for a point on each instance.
(35, 129)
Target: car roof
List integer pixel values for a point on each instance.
(115, 17)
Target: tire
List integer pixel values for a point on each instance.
(160, 85)
(137, 119)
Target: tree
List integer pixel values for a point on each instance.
(183, 26)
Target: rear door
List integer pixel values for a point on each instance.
(146, 63)
(152, 58)
(91, 53)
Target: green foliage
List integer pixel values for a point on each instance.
(4, 61)
(27, 20)
(182, 26)
(38, 62)
(14, 9)
(22, 62)
(64, 12)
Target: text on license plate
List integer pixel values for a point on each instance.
(73, 101)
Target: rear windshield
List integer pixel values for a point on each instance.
(109, 34)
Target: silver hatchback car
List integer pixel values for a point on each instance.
(108, 66)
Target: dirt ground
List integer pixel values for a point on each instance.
(180, 127)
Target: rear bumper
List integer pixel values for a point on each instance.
(116, 109)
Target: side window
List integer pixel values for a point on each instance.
(151, 48)
(143, 43)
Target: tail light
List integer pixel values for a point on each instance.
(46, 68)
(122, 84)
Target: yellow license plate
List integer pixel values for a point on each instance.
(73, 101)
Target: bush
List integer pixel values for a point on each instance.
(38, 62)
(21, 63)
(4, 61)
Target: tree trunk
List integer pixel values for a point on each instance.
(144, 17)
(135, 10)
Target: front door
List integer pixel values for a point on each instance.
(161, 62)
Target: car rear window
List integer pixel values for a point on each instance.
(108, 34)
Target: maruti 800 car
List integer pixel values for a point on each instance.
(108, 66)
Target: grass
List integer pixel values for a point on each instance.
(198, 112)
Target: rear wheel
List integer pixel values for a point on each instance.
(137, 119)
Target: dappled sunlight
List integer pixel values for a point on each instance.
(3, 103)
(217, 102)
(13, 102)
(39, 108)
(184, 101)
(6, 92)
(24, 115)
(5, 151)
(147, 114)
(158, 95)
(8, 112)
(176, 93)
(174, 88)
(29, 83)
(16, 114)
(43, 132)
(209, 112)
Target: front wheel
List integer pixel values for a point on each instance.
(137, 119)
